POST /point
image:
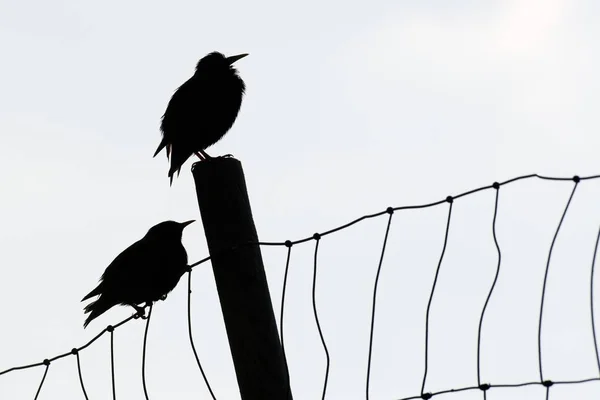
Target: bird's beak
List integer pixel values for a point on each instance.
(233, 59)
(186, 223)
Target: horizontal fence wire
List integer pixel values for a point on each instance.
(484, 387)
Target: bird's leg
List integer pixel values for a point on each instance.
(205, 154)
(143, 310)
(199, 156)
(140, 311)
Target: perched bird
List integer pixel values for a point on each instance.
(201, 110)
(143, 273)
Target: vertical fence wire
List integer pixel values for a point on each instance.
(562, 218)
(375, 286)
(79, 373)
(592, 301)
(112, 363)
(317, 238)
(489, 296)
(47, 363)
(189, 318)
(288, 244)
(437, 272)
(144, 354)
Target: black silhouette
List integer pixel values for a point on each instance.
(143, 273)
(201, 110)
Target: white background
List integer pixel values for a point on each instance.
(351, 107)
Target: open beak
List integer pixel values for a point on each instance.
(233, 59)
(186, 223)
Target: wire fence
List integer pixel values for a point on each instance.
(483, 387)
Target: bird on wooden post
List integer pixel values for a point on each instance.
(201, 110)
(143, 273)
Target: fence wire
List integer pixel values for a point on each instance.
(481, 386)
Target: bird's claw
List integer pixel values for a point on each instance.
(140, 312)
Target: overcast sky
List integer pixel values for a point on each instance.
(351, 107)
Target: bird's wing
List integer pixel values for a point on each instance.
(128, 262)
(180, 106)
(118, 269)
(176, 123)
(170, 117)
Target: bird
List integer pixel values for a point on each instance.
(143, 273)
(201, 110)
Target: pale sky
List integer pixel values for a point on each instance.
(351, 107)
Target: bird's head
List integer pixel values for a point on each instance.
(216, 61)
(168, 229)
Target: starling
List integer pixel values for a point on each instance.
(143, 273)
(201, 110)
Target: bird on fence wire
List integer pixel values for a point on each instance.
(201, 110)
(143, 273)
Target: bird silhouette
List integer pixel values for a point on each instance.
(201, 110)
(143, 273)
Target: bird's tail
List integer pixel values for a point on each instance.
(93, 293)
(96, 308)
(163, 144)
(177, 160)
